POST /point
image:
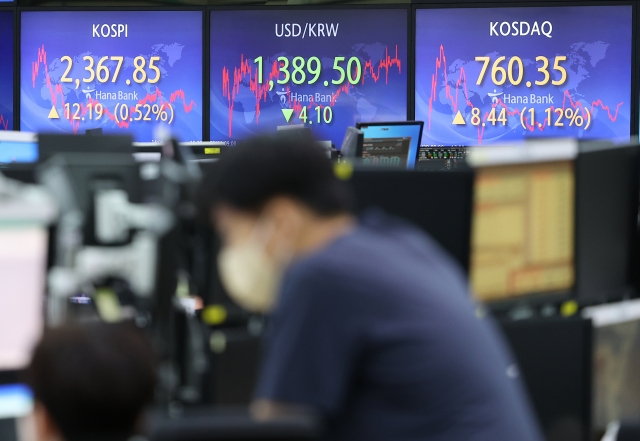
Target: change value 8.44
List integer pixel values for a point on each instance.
(554, 116)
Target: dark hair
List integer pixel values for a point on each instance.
(93, 379)
(285, 164)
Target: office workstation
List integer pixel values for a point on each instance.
(279, 220)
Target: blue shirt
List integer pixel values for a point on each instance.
(376, 331)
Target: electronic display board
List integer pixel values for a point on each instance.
(326, 69)
(6, 70)
(122, 71)
(487, 75)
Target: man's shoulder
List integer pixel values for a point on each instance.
(328, 275)
(382, 255)
(319, 267)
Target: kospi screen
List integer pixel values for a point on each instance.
(122, 71)
(6, 70)
(326, 69)
(492, 75)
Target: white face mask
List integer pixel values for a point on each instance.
(250, 277)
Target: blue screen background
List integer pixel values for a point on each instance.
(369, 34)
(174, 36)
(18, 152)
(597, 41)
(6, 70)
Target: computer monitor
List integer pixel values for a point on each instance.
(523, 229)
(352, 143)
(147, 151)
(50, 144)
(233, 424)
(465, 100)
(23, 263)
(16, 401)
(303, 130)
(616, 357)
(391, 143)
(202, 151)
(68, 86)
(554, 360)
(438, 202)
(440, 158)
(18, 154)
(17, 148)
(207, 151)
(607, 185)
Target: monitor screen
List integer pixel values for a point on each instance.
(206, 151)
(523, 230)
(50, 145)
(327, 69)
(125, 72)
(552, 356)
(616, 357)
(201, 151)
(491, 75)
(12, 152)
(6, 70)
(147, 151)
(607, 227)
(18, 148)
(442, 208)
(16, 400)
(23, 260)
(391, 144)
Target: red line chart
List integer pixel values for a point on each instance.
(4, 122)
(461, 86)
(247, 72)
(57, 93)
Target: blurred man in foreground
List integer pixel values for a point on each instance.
(91, 382)
(371, 323)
